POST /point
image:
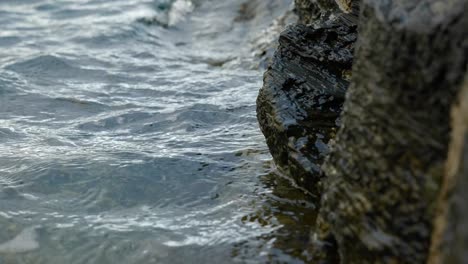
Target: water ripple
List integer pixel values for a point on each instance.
(128, 134)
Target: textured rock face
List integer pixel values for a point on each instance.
(450, 236)
(307, 10)
(302, 96)
(381, 182)
(383, 174)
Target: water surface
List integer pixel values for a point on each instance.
(128, 135)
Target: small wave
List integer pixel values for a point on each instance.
(9, 41)
(130, 143)
(122, 121)
(179, 11)
(8, 134)
(53, 67)
(170, 13)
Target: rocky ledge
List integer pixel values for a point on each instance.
(377, 155)
(299, 105)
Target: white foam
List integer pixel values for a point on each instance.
(179, 10)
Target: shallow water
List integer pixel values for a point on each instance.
(128, 135)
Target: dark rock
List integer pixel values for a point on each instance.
(307, 10)
(302, 96)
(311, 11)
(382, 179)
(384, 171)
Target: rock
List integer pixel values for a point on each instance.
(450, 236)
(307, 10)
(303, 93)
(311, 11)
(384, 171)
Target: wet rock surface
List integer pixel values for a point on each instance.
(302, 96)
(380, 183)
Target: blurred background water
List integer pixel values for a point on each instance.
(128, 135)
